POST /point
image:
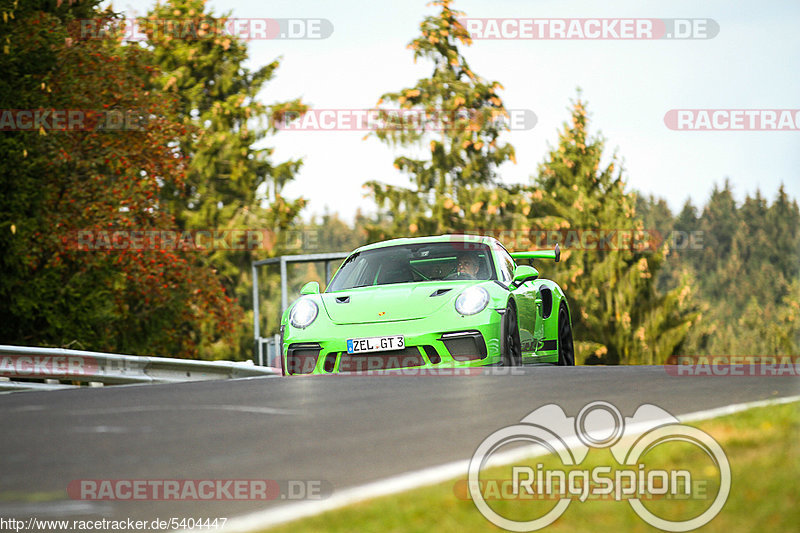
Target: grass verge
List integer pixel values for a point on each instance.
(761, 445)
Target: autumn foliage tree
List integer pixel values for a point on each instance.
(54, 183)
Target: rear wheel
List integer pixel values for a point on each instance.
(512, 347)
(566, 350)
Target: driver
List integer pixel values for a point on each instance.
(467, 266)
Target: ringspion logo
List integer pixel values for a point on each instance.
(629, 439)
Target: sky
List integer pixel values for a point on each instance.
(629, 85)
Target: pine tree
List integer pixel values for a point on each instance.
(783, 227)
(688, 236)
(617, 310)
(456, 187)
(718, 223)
(687, 218)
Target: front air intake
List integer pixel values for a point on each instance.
(465, 345)
(330, 362)
(301, 358)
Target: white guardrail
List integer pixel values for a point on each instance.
(54, 365)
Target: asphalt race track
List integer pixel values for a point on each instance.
(343, 430)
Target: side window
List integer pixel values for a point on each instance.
(507, 266)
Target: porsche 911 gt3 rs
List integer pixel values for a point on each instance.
(429, 302)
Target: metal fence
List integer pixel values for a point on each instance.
(267, 349)
(55, 366)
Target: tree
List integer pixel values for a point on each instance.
(57, 182)
(230, 182)
(718, 223)
(617, 310)
(748, 276)
(783, 226)
(456, 187)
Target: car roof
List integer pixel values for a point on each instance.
(490, 241)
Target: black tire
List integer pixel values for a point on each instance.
(512, 347)
(566, 350)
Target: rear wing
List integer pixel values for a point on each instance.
(554, 254)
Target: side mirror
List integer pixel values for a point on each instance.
(312, 287)
(524, 273)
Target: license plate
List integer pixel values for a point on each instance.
(375, 344)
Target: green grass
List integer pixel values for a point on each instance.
(761, 445)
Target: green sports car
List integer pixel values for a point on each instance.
(429, 302)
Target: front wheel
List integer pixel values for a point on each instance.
(512, 347)
(566, 350)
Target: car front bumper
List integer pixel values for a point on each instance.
(465, 341)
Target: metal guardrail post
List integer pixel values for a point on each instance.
(283, 261)
(256, 305)
(276, 362)
(284, 288)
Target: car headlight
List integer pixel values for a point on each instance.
(303, 313)
(472, 300)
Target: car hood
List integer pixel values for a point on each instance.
(386, 303)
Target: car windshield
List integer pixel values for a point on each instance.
(415, 263)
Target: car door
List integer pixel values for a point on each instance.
(525, 297)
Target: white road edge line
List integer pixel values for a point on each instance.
(430, 476)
